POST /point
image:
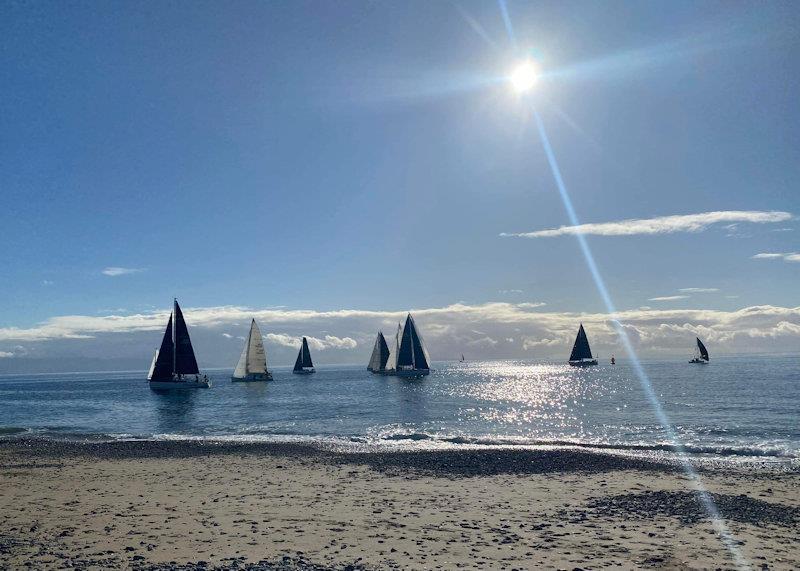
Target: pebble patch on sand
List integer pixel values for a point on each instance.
(688, 507)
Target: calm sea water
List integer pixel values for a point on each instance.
(734, 407)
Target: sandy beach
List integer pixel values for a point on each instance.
(177, 505)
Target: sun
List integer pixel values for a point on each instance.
(524, 76)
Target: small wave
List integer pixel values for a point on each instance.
(11, 430)
(716, 450)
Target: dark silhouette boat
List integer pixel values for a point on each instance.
(174, 365)
(700, 353)
(303, 365)
(581, 355)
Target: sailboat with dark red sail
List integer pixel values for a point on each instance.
(174, 365)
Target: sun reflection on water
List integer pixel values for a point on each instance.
(538, 399)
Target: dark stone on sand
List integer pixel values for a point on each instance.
(447, 463)
(690, 508)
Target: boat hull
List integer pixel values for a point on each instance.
(409, 373)
(304, 371)
(180, 385)
(252, 378)
(699, 362)
(583, 363)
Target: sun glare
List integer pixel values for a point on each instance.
(524, 76)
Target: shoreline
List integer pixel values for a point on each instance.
(417, 453)
(147, 504)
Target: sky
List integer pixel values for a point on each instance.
(326, 167)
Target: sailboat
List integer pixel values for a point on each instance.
(410, 358)
(380, 355)
(700, 353)
(303, 365)
(462, 358)
(174, 365)
(581, 355)
(252, 365)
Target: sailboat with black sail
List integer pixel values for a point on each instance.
(380, 355)
(700, 353)
(174, 365)
(303, 365)
(411, 357)
(581, 355)
(252, 365)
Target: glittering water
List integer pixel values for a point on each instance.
(731, 407)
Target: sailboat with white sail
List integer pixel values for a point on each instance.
(410, 358)
(174, 365)
(581, 355)
(380, 355)
(252, 365)
(303, 365)
(700, 353)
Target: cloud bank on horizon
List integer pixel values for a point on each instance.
(488, 330)
(660, 224)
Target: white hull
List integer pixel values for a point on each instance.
(191, 384)
(252, 377)
(699, 361)
(583, 363)
(304, 371)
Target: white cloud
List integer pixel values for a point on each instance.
(669, 298)
(328, 342)
(227, 336)
(114, 271)
(6, 354)
(660, 224)
(47, 282)
(447, 330)
(787, 257)
(509, 291)
(698, 289)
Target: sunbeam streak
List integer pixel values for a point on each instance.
(507, 22)
(705, 497)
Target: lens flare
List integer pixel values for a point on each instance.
(524, 76)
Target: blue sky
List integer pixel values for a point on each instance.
(327, 156)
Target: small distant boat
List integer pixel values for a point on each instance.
(252, 365)
(410, 358)
(700, 353)
(174, 365)
(581, 355)
(380, 355)
(462, 358)
(613, 360)
(304, 365)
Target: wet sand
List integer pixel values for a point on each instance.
(179, 505)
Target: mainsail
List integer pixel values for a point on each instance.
(581, 348)
(412, 353)
(391, 362)
(185, 362)
(253, 358)
(380, 354)
(303, 357)
(702, 349)
(176, 356)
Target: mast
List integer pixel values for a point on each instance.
(174, 340)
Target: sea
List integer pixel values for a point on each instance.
(730, 409)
